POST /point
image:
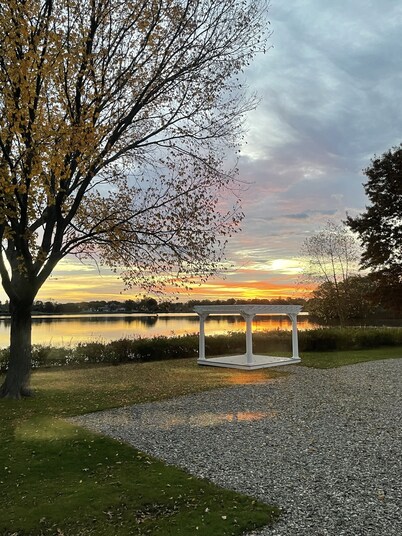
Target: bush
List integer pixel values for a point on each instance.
(90, 352)
(4, 356)
(166, 347)
(316, 340)
(275, 341)
(325, 339)
(234, 342)
(50, 356)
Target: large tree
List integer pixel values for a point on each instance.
(116, 117)
(380, 226)
(330, 259)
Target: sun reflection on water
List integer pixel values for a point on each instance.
(62, 330)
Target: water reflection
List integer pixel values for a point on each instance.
(212, 419)
(89, 319)
(71, 329)
(162, 420)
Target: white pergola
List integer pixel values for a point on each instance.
(248, 361)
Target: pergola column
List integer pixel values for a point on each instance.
(295, 344)
(249, 336)
(201, 342)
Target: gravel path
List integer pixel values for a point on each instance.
(324, 445)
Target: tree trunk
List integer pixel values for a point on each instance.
(16, 383)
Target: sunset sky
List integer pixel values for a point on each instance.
(330, 90)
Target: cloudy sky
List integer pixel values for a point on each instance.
(330, 89)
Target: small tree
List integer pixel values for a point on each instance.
(380, 227)
(357, 300)
(330, 259)
(116, 117)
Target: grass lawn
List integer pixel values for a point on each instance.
(349, 357)
(58, 479)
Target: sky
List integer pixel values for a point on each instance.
(330, 99)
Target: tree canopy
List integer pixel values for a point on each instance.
(380, 226)
(115, 120)
(354, 294)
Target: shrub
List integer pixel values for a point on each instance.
(166, 347)
(89, 352)
(233, 342)
(316, 340)
(275, 341)
(4, 356)
(353, 338)
(50, 356)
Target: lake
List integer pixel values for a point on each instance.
(63, 330)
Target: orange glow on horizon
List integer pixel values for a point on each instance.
(251, 289)
(111, 288)
(74, 282)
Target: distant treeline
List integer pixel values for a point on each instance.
(145, 305)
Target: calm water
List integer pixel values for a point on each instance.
(71, 329)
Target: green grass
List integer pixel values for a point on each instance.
(349, 357)
(59, 479)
